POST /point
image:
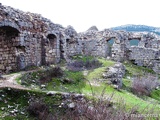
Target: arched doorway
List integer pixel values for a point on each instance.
(109, 47)
(50, 49)
(8, 49)
(52, 40)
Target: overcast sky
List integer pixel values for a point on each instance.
(82, 14)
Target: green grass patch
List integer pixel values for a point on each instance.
(97, 73)
(155, 94)
(106, 63)
(77, 82)
(82, 58)
(13, 99)
(121, 97)
(134, 70)
(84, 84)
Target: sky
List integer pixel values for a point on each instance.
(82, 14)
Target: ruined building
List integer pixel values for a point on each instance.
(28, 39)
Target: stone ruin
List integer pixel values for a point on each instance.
(28, 39)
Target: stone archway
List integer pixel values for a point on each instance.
(8, 46)
(109, 47)
(52, 40)
(50, 49)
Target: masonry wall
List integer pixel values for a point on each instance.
(28, 39)
(29, 43)
(8, 60)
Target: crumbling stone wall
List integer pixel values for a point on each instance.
(29, 39)
(144, 56)
(8, 50)
(147, 53)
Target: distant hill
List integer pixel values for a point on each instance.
(138, 28)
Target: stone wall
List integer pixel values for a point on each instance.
(8, 50)
(147, 53)
(28, 39)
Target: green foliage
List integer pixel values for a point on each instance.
(126, 84)
(106, 63)
(83, 62)
(155, 94)
(82, 58)
(97, 73)
(134, 70)
(76, 85)
(88, 85)
(20, 99)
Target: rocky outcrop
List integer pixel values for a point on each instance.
(93, 28)
(115, 74)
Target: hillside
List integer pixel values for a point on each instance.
(68, 91)
(138, 28)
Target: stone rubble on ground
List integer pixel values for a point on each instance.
(115, 74)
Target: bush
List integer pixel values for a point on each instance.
(38, 109)
(55, 72)
(76, 66)
(51, 73)
(41, 76)
(144, 85)
(80, 65)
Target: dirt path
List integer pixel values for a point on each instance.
(9, 81)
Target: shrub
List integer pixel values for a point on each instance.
(76, 66)
(51, 73)
(41, 76)
(80, 65)
(31, 67)
(144, 85)
(55, 72)
(38, 109)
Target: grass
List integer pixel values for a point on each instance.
(128, 98)
(106, 63)
(92, 88)
(82, 58)
(77, 79)
(97, 73)
(134, 70)
(19, 100)
(156, 94)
